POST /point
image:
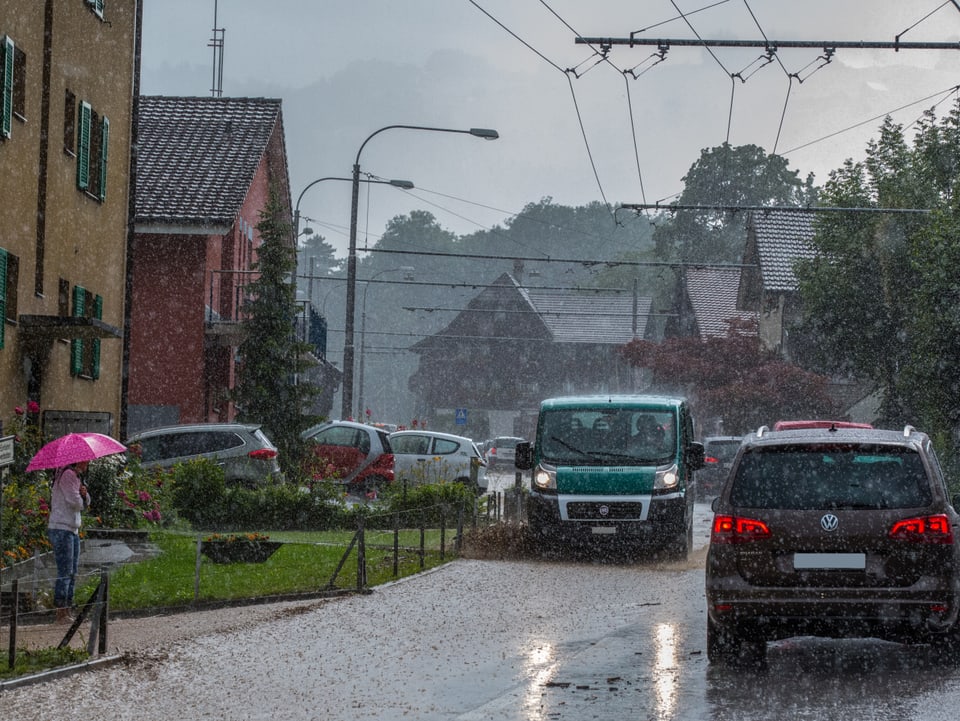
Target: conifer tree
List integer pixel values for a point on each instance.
(270, 387)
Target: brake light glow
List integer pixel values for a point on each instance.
(711, 459)
(263, 454)
(735, 529)
(923, 529)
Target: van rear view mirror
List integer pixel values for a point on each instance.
(524, 457)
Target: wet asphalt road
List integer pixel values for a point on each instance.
(564, 638)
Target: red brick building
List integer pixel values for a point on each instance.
(206, 169)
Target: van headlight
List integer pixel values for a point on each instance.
(666, 478)
(544, 479)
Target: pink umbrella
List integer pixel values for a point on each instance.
(74, 448)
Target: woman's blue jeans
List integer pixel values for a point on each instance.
(66, 552)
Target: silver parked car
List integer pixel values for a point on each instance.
(244, 452)
(431, 457)
(502, 451)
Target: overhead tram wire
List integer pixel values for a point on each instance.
(775, 208)
(945, 93)
(714, 43)
(571, 261)
(573, 94)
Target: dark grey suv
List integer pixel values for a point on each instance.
(832, 532)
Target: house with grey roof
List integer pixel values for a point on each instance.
(511, 347)
(776, 240)
(711, 302)
(207, 166)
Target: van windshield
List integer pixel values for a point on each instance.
(604, 436)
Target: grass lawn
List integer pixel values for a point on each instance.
(305, 563)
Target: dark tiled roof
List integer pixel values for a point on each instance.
(580, 318)
(713, 297)
(783, 237)
(197, 156)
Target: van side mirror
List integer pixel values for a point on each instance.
(695, 455)
(523, 460)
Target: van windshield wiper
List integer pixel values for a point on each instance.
(568, 446)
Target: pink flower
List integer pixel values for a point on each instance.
(33, 407)
(18, 410)
(143, 495)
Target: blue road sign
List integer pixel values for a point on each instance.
(461, 416)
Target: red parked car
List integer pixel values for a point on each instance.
(353, 454)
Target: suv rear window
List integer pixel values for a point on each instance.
(830, 477)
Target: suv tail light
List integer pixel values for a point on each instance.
(734, 529)
(923, 529)
(262, 454)
(711, 459)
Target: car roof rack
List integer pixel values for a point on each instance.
(907, 430)
(761, 430)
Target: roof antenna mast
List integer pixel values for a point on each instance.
(216, 42)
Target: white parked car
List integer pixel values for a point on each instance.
(431, 457)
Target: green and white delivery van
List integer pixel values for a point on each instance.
(616, 469)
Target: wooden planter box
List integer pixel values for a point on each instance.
(239, 551)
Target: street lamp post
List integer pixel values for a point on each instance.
(408, 275)
(356, 180)
(403, 184)
(348, 342)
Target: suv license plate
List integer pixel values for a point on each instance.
(855, 561)
(603, 530)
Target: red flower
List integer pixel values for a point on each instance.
(18, 410)
(33, 407)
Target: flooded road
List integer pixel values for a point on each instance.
(534, 641)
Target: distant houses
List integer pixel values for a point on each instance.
(513, 346)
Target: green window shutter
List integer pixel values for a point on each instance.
(98, 314)
(6, 75)
(84, 117)
(76, 345)
(98, 8)
(104, 138)
(3, 296)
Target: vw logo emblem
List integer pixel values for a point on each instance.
(604, 510)
(829, 522)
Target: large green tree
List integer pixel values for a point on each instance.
(270, 389)
(727, 177)
(882, 299)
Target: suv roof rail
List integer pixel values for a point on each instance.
(761, 430)
(907, 430)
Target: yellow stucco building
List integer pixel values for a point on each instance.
(69, 81)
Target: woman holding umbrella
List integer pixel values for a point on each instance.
(69, 455)
(68, 498)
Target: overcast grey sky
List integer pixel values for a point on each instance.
(345, 68)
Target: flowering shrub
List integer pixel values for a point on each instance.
(125, 495)
(27, 436)
(23, 521)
